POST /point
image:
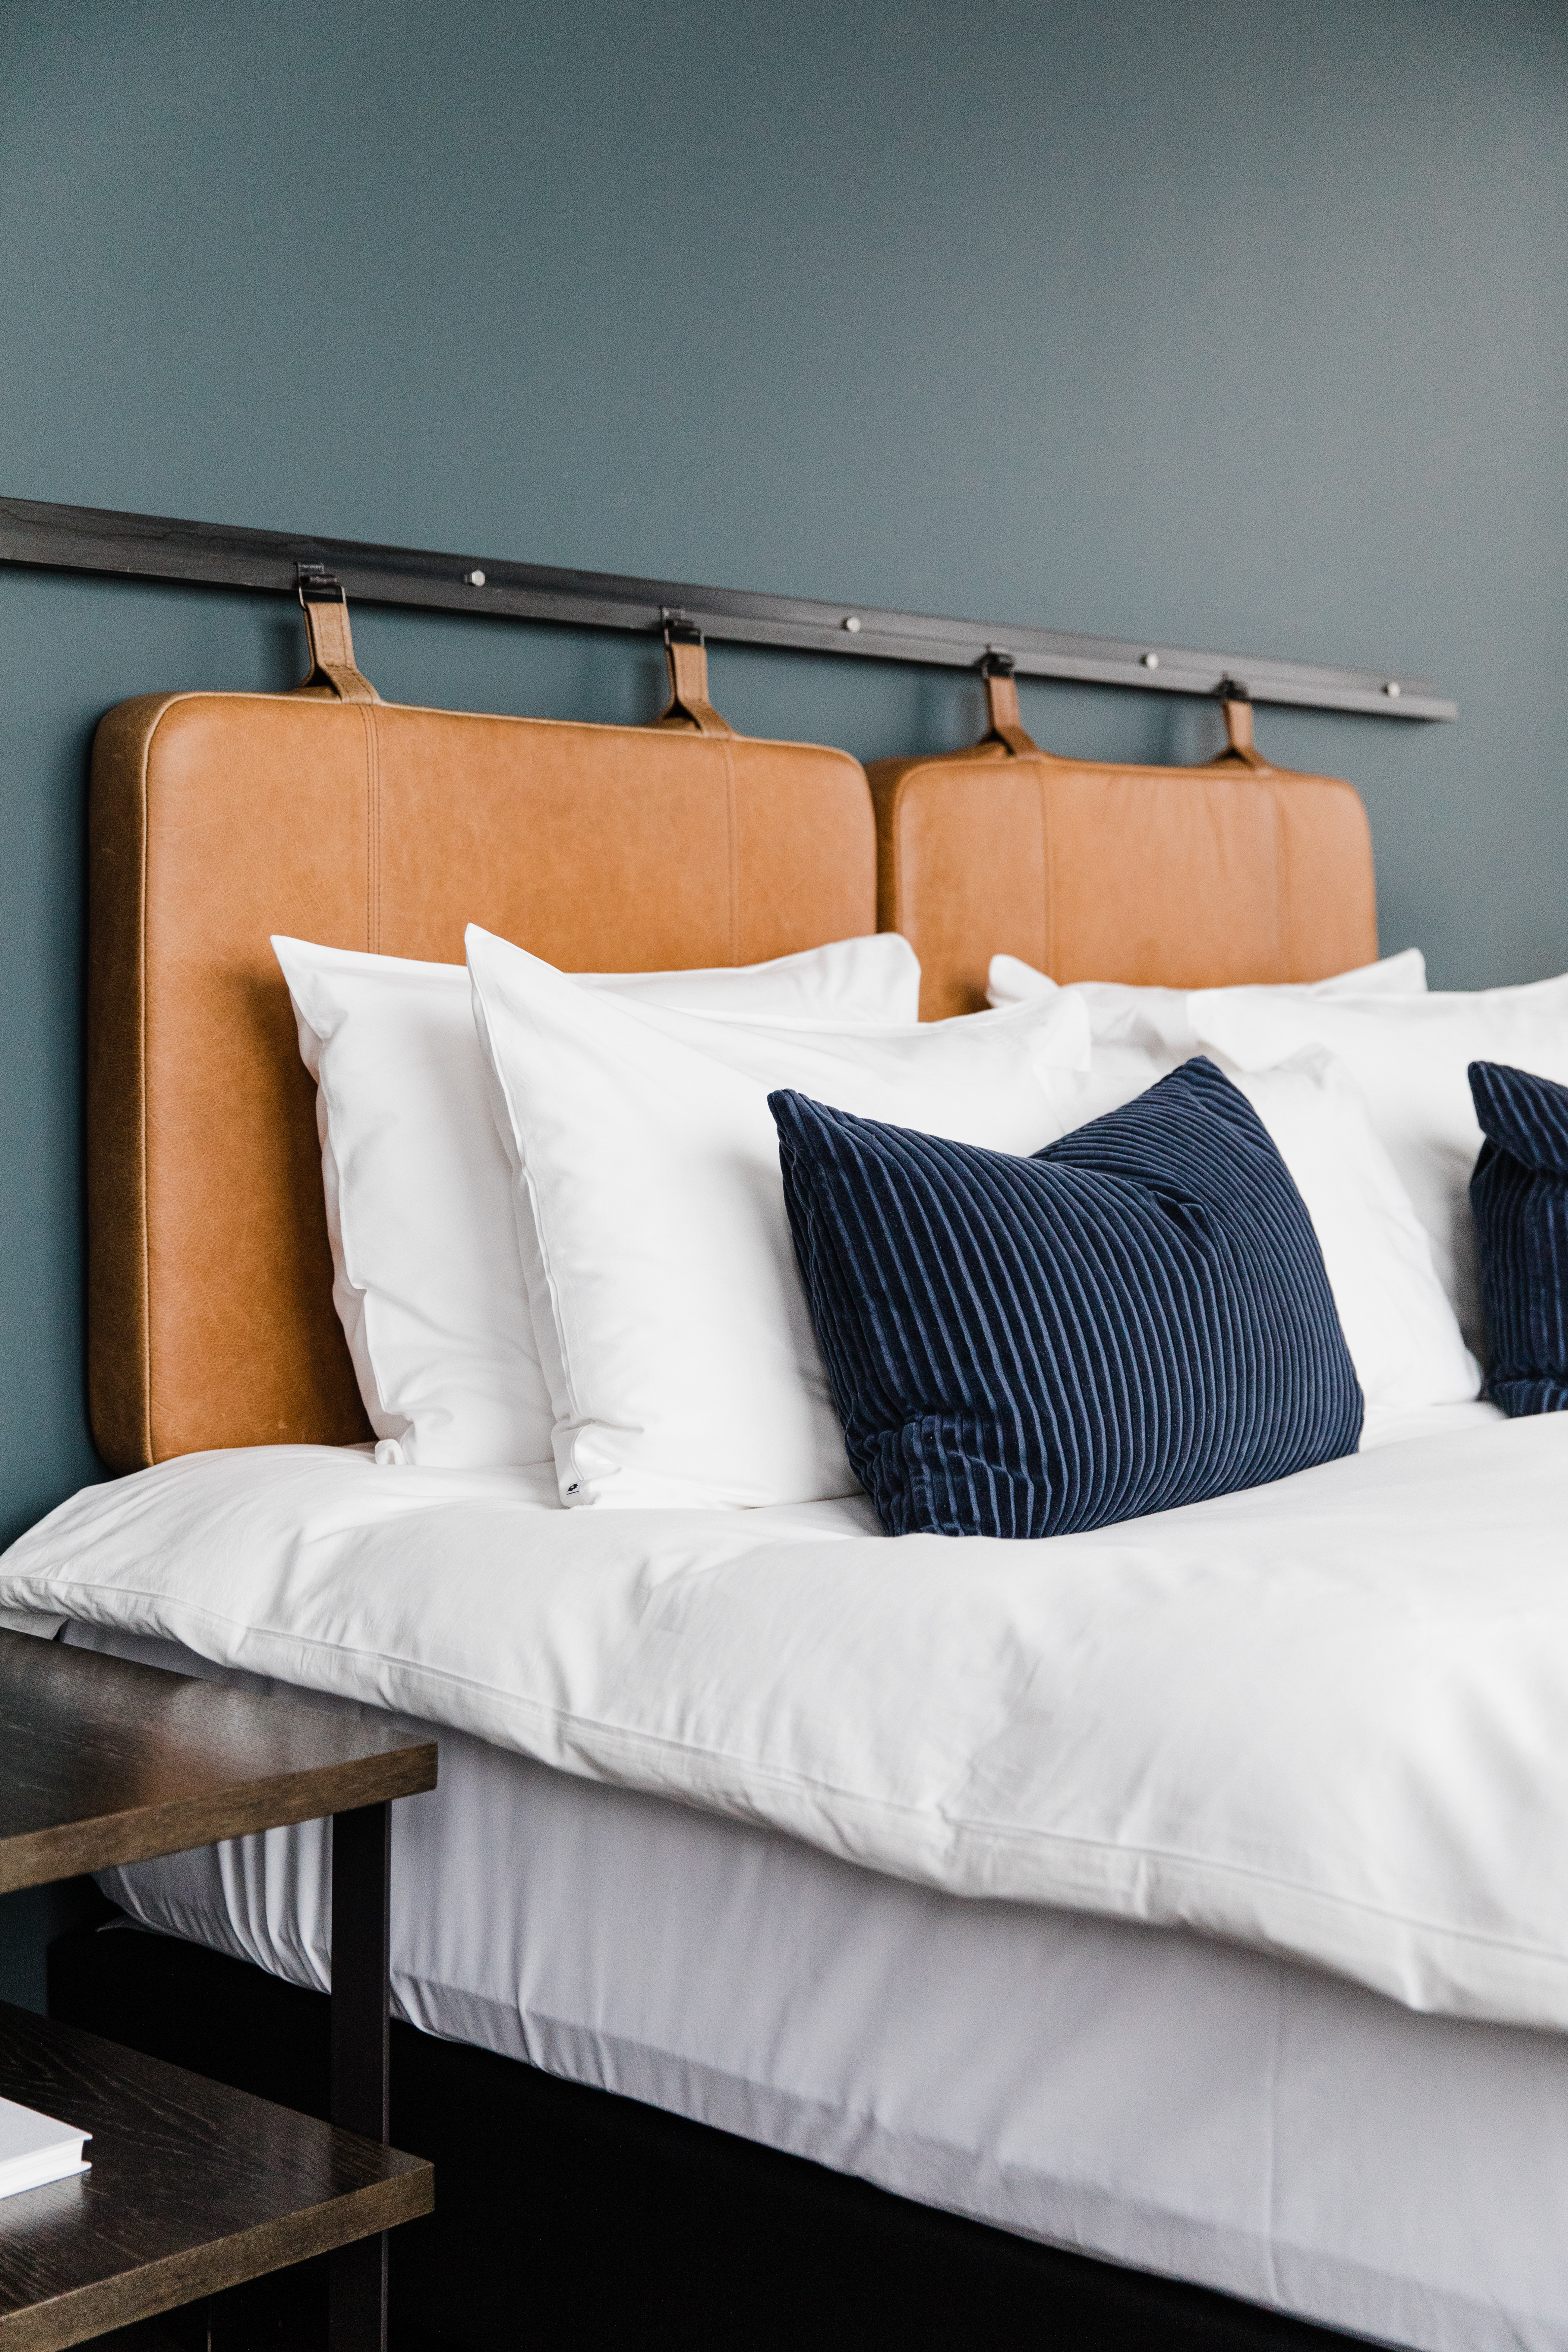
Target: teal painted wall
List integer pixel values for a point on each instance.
(1240, 322)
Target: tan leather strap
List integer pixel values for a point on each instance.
(333, 670)
(1001, 710)
(689, 707)
(1239, 745)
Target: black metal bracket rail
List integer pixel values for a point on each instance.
(213, 555)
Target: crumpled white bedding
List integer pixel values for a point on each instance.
(1327, 1718)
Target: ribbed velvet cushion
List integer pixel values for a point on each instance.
(1136, 1316)
(1519, 1197)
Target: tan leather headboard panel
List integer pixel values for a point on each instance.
(1188, 878)
(218, 819)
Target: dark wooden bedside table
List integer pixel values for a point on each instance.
(194, 2187)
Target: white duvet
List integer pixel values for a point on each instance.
(1327, 1718)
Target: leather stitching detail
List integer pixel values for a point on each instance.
(1047, 870)
(903, 857)
(1283, 885)
(372, 829)
(732, 815)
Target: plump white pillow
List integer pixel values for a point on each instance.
(425, 1264)
(1401, 1333)
(1410, 1058)
(673, 1327)
(1122, 1013)
(875, 978)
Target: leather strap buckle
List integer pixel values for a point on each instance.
(686, 656)
(316, 585)
(324, 602)
(998, 669)
(1236, 703)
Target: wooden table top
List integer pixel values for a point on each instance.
(194, 2188)
(104, 1761)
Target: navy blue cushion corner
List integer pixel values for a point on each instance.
(1519, 1195)
(1136, 1316)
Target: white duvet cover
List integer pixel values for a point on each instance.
(1327, 1718)
(1158, 2098)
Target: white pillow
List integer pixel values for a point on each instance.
(875, 978)
(1410, 1056)
(671, 1319)
(1119, 1013)
(1401, 1333)
(424, 1265)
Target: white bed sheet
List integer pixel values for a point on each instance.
(1139, 2094)
(1326, 1718)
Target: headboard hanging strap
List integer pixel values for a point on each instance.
(1236, 704)
(688, 708)
(332, 666)
(1002, 706)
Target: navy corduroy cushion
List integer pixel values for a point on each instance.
(1136, 1316)
(1519, 1197)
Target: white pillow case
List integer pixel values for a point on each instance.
(1401, 1333)
(672, 1323)
(1410, 1058)
(1119, 1013)
(426, 1275)
(1385, 1266)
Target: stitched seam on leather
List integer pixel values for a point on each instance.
(372, 829)
(1048, 871)
(730, 797)
(895, 852)
(1282, 883)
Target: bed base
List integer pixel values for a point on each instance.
(573, 2217)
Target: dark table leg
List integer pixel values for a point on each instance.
(361, 1953)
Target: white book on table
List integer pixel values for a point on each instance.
(35, 2148)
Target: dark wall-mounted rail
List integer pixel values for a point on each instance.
(213, 555)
